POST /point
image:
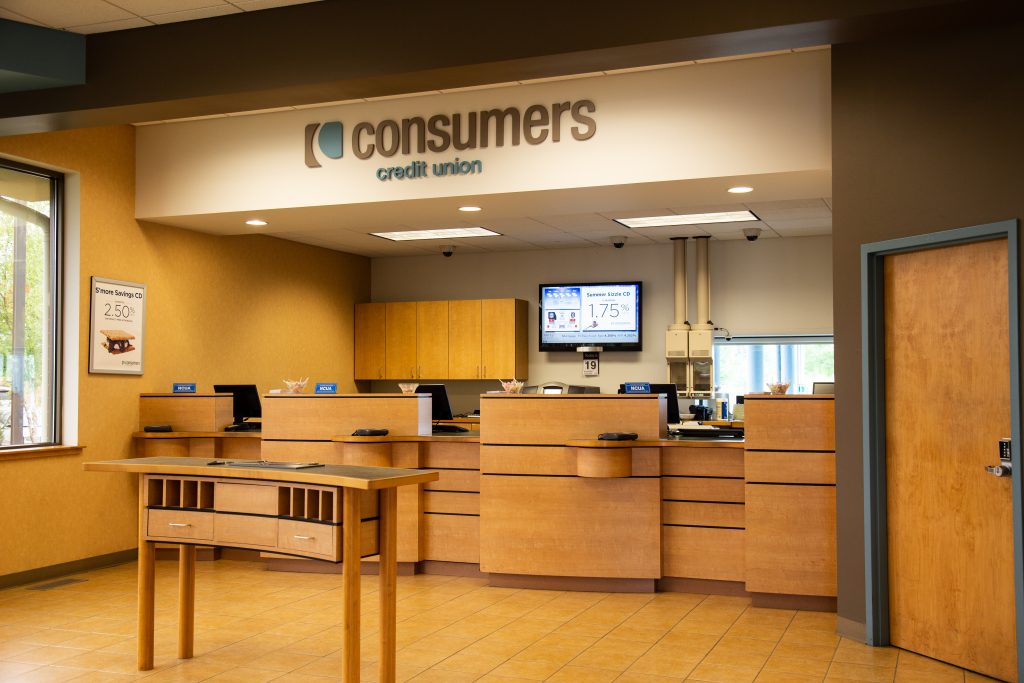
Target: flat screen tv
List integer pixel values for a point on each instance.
(605, 314)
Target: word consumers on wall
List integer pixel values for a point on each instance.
(440, 133)
(116, 326)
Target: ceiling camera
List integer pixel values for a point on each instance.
(618, 242)
(449, 249)
(751, 234)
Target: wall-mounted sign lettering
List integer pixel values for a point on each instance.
(183, 387)
(636, 388)
(440, 133)
(116, 326)
(326, 388)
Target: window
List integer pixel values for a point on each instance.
(746, 365)
(30, 203)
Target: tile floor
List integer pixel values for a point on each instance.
(254, 626)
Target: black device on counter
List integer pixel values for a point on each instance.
(617, 436)
(700, 413)
(157, 428)
(246, 405)
(448, 429)
(370, 432)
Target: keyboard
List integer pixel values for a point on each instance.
(245, 427)
(448, 429)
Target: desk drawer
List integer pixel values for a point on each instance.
(702, 514)
(308, 538)
(242, 530)
(180, 524)
(254, 499)
(702, 488)
(455, 480)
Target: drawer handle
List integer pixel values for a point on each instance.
(178, 524)
(304, 538)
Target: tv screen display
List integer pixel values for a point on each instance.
(605, 314)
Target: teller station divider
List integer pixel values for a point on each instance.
(197, 422)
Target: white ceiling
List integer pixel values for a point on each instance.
(99, 16)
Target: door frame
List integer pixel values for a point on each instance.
(873, 410)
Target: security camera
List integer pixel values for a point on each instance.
(618, 242)
(751, 234)
(448, 250)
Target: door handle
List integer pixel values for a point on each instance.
(1005, 470)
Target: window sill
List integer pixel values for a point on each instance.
(38, 452)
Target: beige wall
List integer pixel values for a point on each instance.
(219, 309)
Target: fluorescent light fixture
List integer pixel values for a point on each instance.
(469, 209)
(740, 189)
(255, 221)
(440, 234)
(688, 219)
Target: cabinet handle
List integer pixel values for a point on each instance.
(178, 524)
(478, 372)
(304, 538)
(485, 373)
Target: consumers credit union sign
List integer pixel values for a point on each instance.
(462, 132)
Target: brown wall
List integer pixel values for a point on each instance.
(927, 136)
(248, 309)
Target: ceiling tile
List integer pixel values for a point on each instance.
(147, 7)
(802, 231)
(252, 5)
(14, 16)
(192, 14)
(62, 14)
(105, 26)
(575, 221)
(809, 223)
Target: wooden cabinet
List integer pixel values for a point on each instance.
(503, 353)
(369, 341)
(431, 340)
(400, 340)
(465, 339)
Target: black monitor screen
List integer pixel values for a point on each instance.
(440, 408)
(672, 395)
(246, 400)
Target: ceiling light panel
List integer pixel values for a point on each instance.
(444, 233)
(688, 219)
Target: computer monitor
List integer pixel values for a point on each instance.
(671, 394)
(440, 408)
(246, 400)
(823, 388)
(553, 388)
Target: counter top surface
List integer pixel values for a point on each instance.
(460, 437)
(196, 435)
(689, 442)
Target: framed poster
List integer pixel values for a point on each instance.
(116, 326)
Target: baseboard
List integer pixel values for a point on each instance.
(573, 583)
(809, 603)
(239, 554)
(203, 553)
(854, 630)
(673, 584)
(65, 568)
(281, 564)
(450, 569)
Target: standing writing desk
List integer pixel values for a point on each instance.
(319, 512)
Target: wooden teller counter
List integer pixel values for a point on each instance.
(535, 499)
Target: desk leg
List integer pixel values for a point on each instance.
(351, 559)
(186, 600)
(147, 582)
(388, 544)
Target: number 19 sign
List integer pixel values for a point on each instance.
(116, 329)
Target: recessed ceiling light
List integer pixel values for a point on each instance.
(443, 233)
(469, 208)
(255, 221)
(688, 219)
(741, 189)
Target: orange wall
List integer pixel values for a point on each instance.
(219, 309)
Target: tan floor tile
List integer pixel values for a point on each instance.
(633, 677)
(245, 675)
(803, 651)
(639, 634)
(11, 648)
(579, 674)
(971, 677)
(295, 677)
(910, 660)
(110, 677)
(915, 676)
(47, 674)
(479, 664)
(92, 641)
(861, 672)
(281, 661)
(664, 663)
(531, 670)
(783, 677)
(795, 665)
(822, 621)
(442, 676)
(45, 654)
(721, 673)
(806, 636)
(858, 653)
(51, 636)
(9, 670)
(584, 627)
(494, 678)
(756, 631)
(610, 653)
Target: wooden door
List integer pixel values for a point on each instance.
(947, 386)
(400, 340)
(431, 339)
(464, 339)
(369, 341)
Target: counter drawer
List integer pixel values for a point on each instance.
(455, 480)
(702, 488)
(703, 462)
(451, 538)
(699, 553)
(790, 467)
(308, 538)
(179, 524)
(456, 455)
(702, 514)
(457, 503)
(243, 530)
(258, 499)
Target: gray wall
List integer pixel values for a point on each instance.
(927, 135)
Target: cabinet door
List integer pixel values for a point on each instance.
(431, 339)
(464, 342)
(369, 342)
(503, 338)
(400, 340)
